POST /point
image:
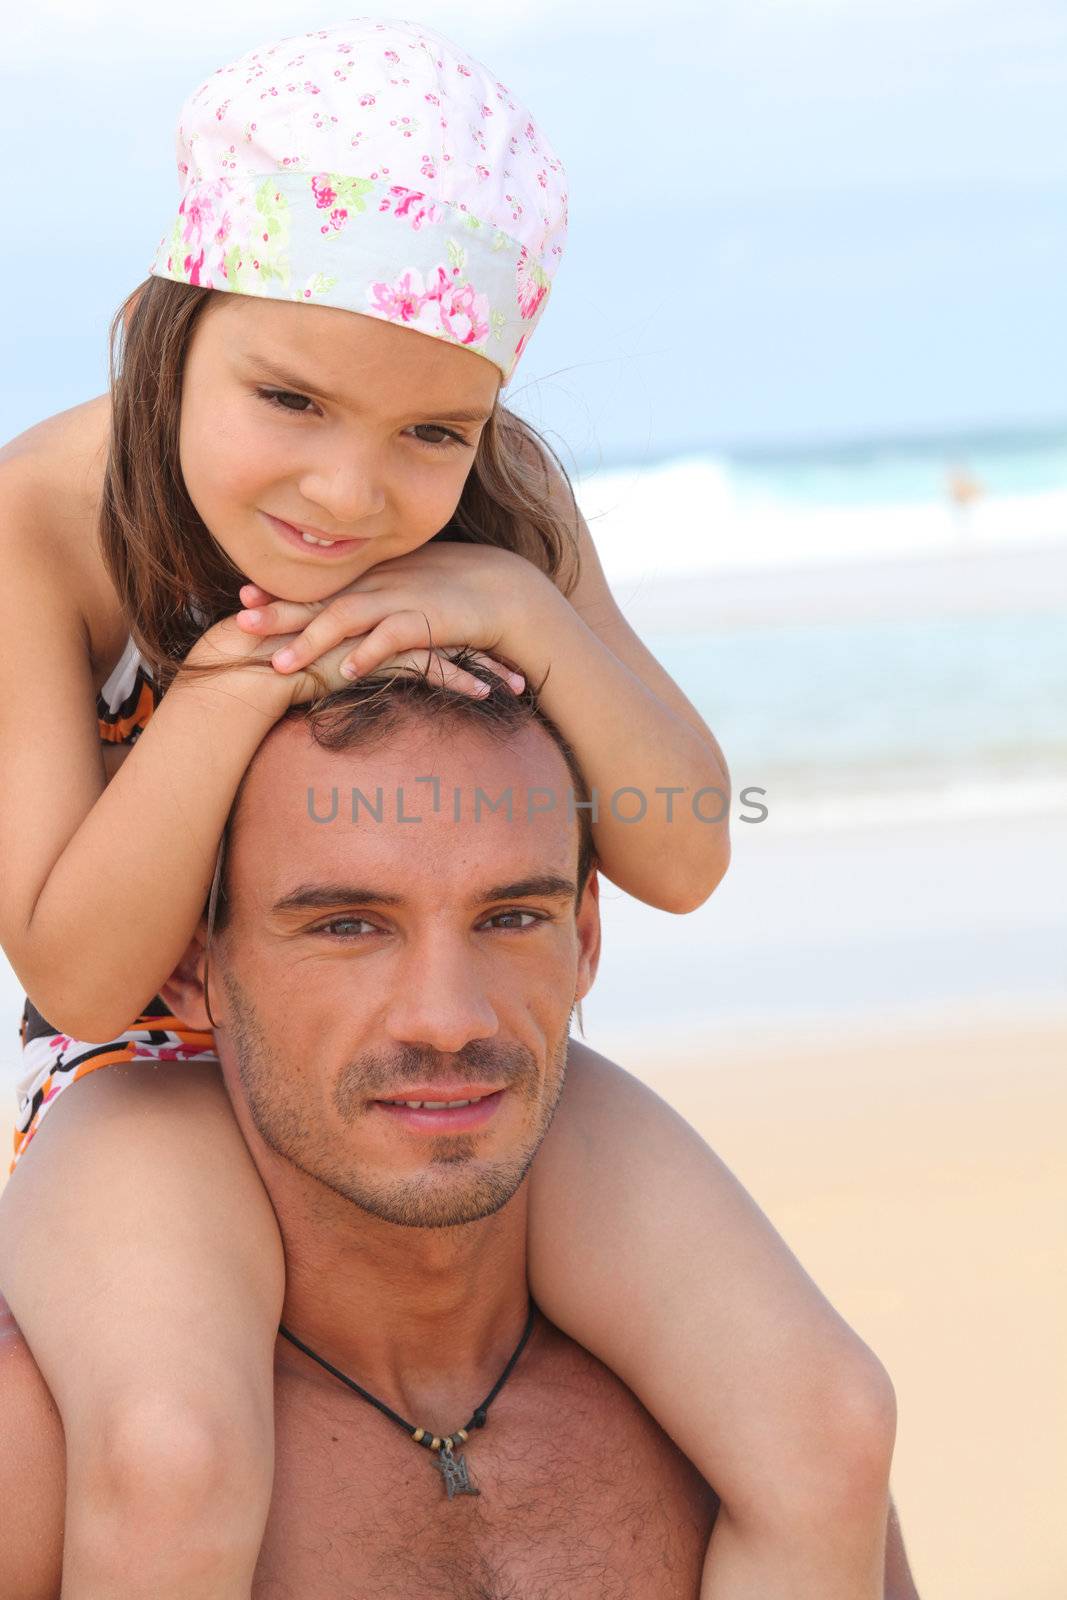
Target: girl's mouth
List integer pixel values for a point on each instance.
(313, 544)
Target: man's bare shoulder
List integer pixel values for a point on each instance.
(32, 1473)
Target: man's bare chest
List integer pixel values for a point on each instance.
(578, 1506)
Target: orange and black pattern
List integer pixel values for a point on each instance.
(51, 1060)
(127, 700)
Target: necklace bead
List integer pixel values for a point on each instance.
(452, 1467)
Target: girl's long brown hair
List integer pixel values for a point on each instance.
(173, 579)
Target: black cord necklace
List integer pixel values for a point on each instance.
(451, 1465)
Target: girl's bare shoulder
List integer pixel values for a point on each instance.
(82, 428)
(51, 480)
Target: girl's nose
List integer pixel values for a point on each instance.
(348, 492)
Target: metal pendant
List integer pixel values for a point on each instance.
(453, 1470)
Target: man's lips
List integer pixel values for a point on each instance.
(441, 1108)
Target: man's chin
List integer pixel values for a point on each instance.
(451, 1194)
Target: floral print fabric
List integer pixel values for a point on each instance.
(376, 168)
(378, 248)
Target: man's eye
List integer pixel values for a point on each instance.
(342, 927)
(511, 919)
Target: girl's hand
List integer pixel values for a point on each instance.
(437, 597)
(226, 643)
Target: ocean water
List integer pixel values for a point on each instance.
(888, 667)
(850, 503)
(865, 646)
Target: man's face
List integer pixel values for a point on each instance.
(371, 964)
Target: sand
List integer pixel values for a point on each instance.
(918, 1174)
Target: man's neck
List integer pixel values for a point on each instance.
(424, 1318)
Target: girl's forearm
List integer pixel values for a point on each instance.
(123, 899)
(661, 823)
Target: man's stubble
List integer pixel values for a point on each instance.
(478, 1188)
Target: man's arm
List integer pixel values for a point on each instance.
(899, 1583)
(32, 1474)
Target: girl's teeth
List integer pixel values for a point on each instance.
(309, 538)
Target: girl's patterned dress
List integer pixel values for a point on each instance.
(52, 1060)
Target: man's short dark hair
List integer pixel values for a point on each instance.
(365, 713)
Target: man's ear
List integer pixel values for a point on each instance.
(588, 921)
(183, 991)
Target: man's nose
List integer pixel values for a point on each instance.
(439, 999)
(347, 491)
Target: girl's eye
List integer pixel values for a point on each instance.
(298, 405)
(280, 399)
(508, 919)
(445, 440)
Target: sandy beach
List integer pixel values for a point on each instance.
(918, 1174)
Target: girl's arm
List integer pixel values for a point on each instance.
(631, 728)
(647, 1251)
(104, 885)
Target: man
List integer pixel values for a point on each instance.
(378, 967)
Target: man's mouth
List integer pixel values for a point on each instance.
(444, 1110)
(437, 1105)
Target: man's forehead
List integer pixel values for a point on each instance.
(459, 808)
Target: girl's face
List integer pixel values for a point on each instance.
(306, 419)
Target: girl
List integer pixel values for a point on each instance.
(308, 400)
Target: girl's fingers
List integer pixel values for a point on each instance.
(284, 616)
(435, 665)
(349, 617)
(400, 634)
(513, 679)
(400, 631)
(250, 594)
(438, 668)
(317, 628)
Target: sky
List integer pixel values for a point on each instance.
(792, 221)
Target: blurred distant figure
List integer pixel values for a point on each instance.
(963, 490)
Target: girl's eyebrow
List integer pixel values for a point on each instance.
(291, 380)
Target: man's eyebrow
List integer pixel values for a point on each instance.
(544, 886)
(292, 380)
(328, 896)
(324, 896)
